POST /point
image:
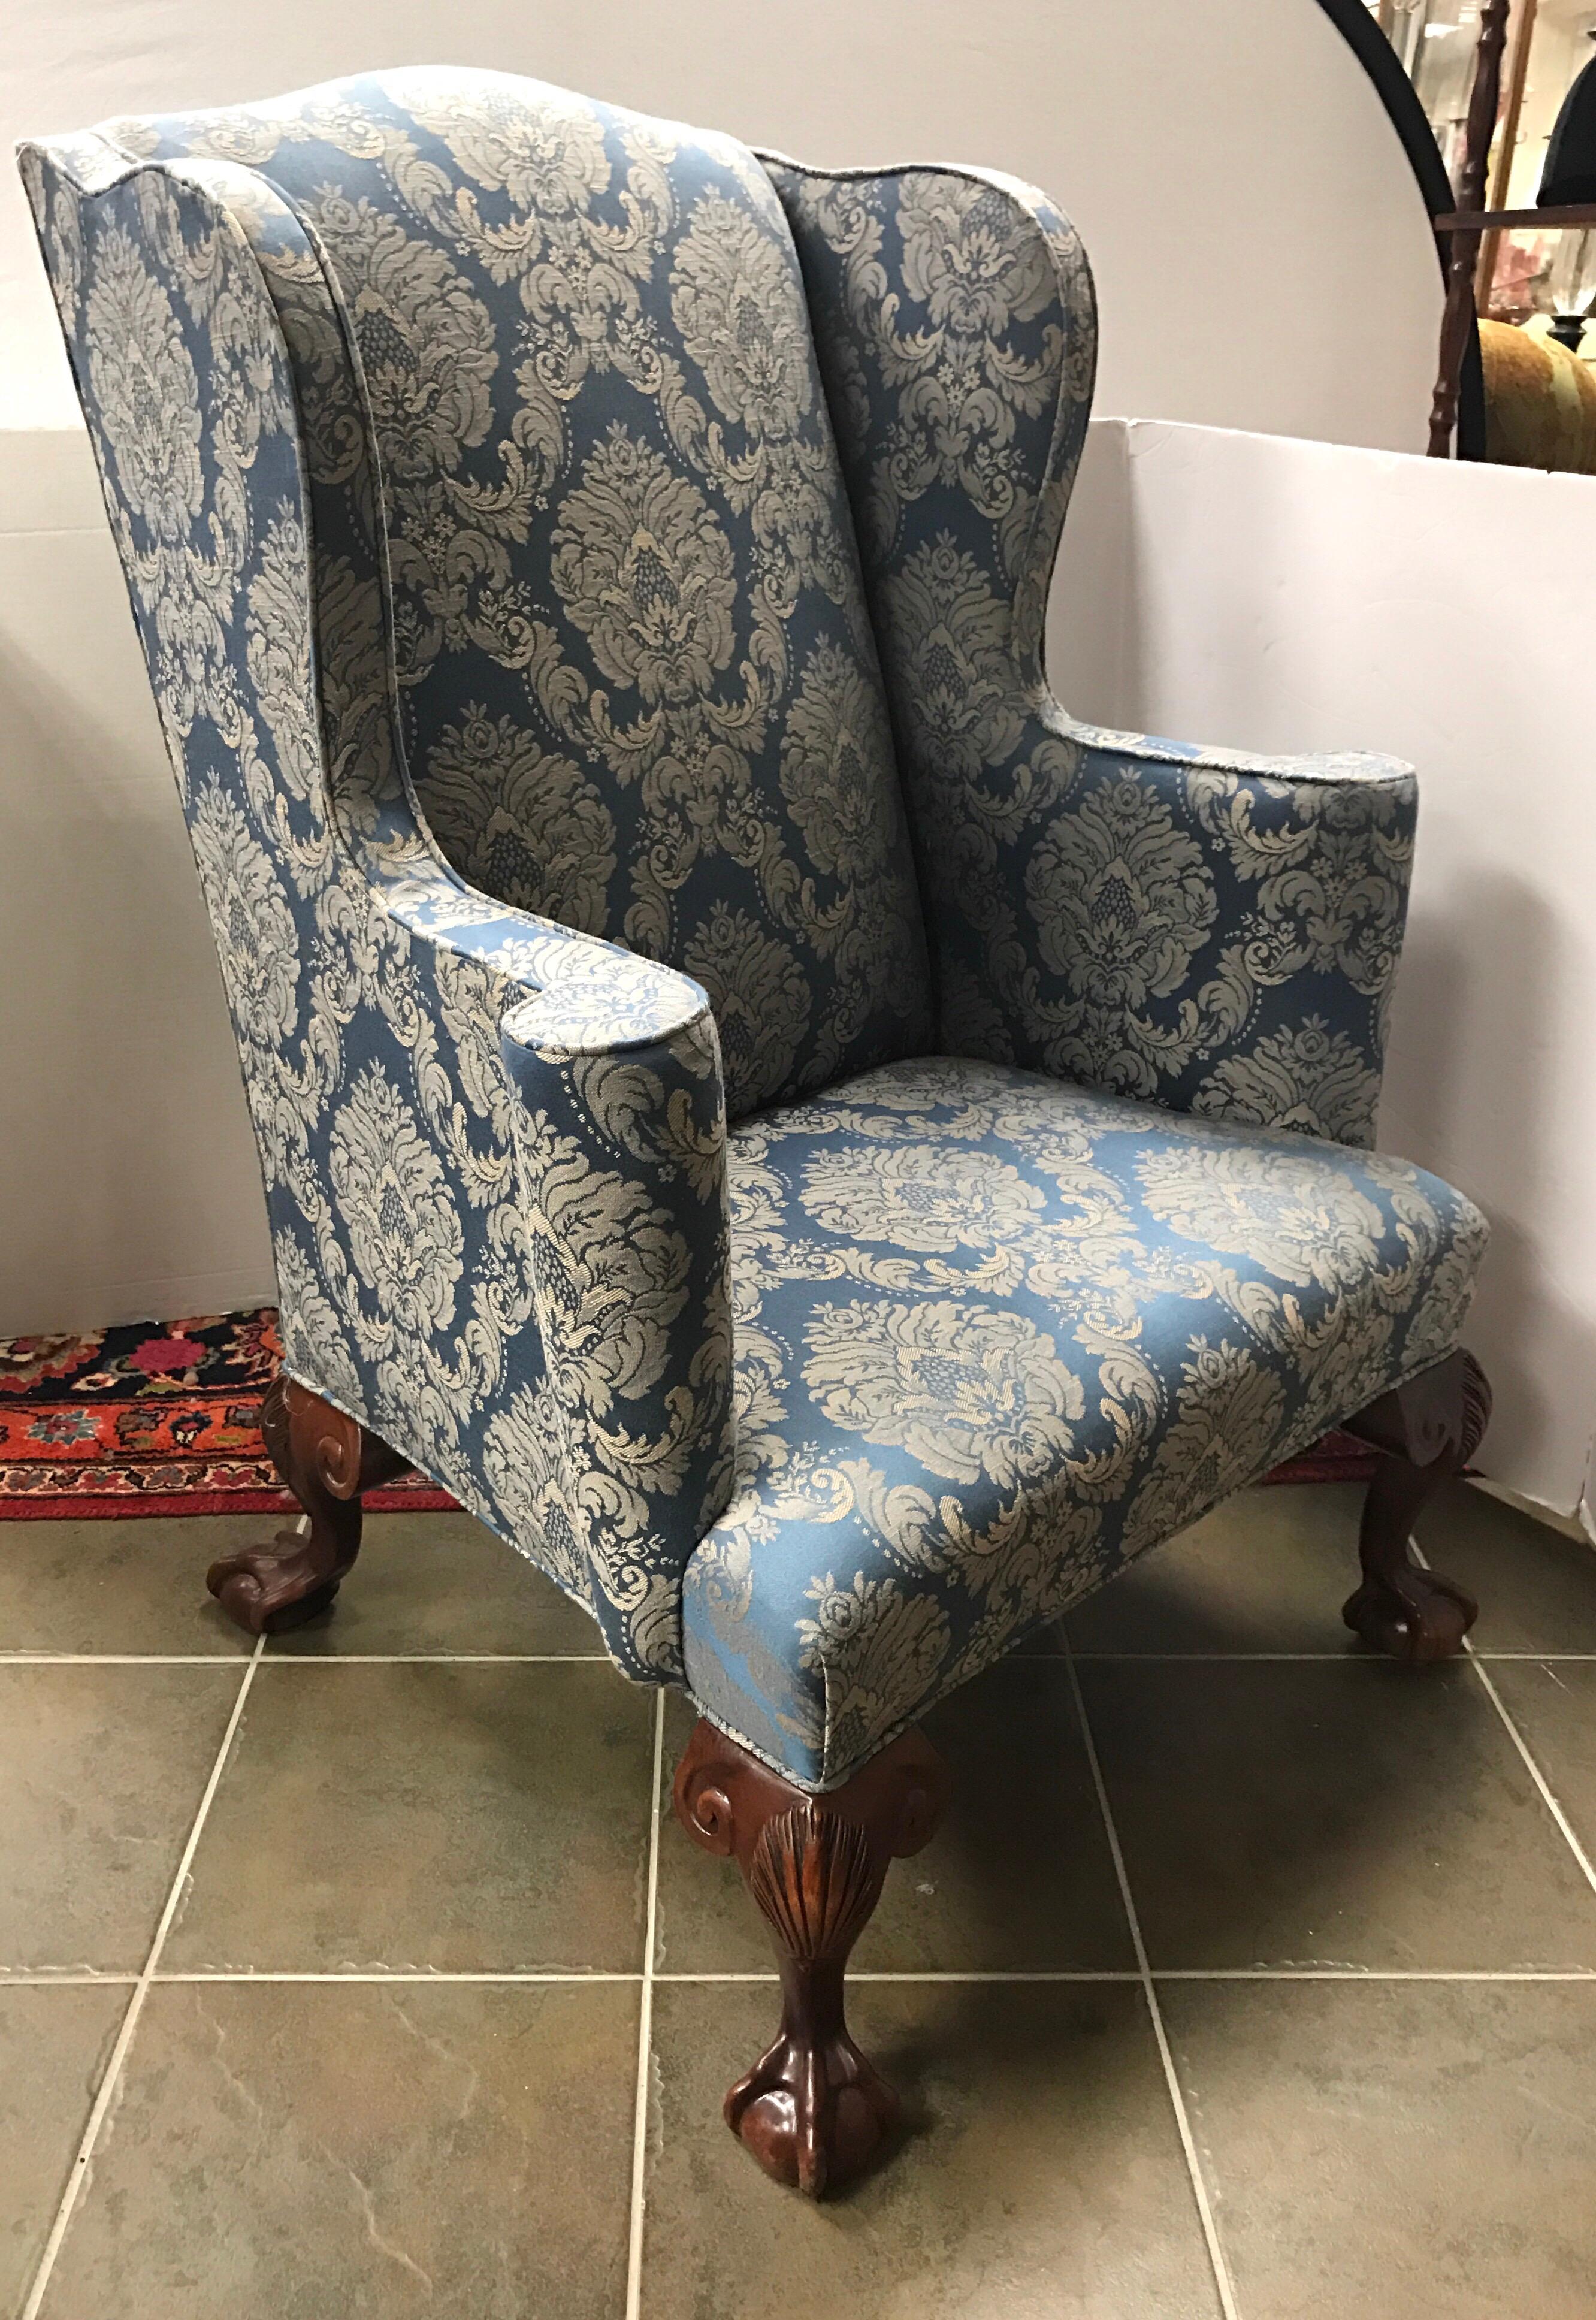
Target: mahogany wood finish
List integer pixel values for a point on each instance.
(327, 1459)
(1575, 215)
(1427, 1431)
(1464, 257)
(812, 2110)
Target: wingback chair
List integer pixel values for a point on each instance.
(823, 1154)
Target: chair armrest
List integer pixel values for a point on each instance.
(1215, 931)
(621, 1133)
(615, 1456)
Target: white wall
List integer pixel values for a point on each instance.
(1262, 255)
(1282, 595)
(128, 1187)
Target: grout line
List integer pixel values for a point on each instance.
(1215, 2254)
(130, 2021)
(1373, 1973)
(439, 1659)
(1351, 1657)
(659, 1975)
(234, 1660)
(1538, 1777)
(47, 1978)
(44, 1977)
(406, 1974)
(1519, 1743)
(280, 1658)
(639, 2131)
(1066, 1973)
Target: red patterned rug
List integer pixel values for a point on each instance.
(163, 1417)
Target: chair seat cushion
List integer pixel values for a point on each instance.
(996, 1335)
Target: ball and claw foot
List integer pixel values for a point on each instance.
(813, 2110)
(814, 2117)
(1426, 1432)
(327, 1459)
(1414, 1615)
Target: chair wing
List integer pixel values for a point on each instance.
(1215, 932)
(493, 1148)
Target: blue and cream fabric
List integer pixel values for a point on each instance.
(637, 685)
(1210, 931)
(486, 466)
(995, 1335)
(493, 1147)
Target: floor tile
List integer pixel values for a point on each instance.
(1043, 2174)
(285, 2153)
(133, 1586)
(1382, 2149)
(1266, 1572)
(54, 2043)
(102, 1769)
(1554, 1706)
(1294, 1813)
(1537, 1590)
(443, 1583)
(1019, 1877)
(441, 1815)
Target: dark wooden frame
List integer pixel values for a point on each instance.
(1459, 318)
(327, 1459)
(813, 2110)
(1407, 116)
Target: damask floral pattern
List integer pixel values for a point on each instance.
(468, 455)
(522, 821)
(731, 302)
(614, 524)
(493, 1147)
(1126, 913)
(995, 1335)
(141, 376)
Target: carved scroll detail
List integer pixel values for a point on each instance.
(326, 1458)
(1427, 1431)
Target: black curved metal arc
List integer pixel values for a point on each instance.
(1407, 116)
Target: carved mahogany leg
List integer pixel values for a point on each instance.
(326, 1459)
(1426, 1430)
(812, 2110)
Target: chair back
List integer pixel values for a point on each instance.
(638, 689)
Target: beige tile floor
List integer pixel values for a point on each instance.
(364, 1974)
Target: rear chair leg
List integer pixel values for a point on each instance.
(812, 2110)
(1427, 1431)
(326, 1459)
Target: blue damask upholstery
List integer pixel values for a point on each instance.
(637, 685)
(1212, 930)
(487, 468)
(995, 1335)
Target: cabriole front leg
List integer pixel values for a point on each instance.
(813, 2110)
(327, 1459)
(1427, 1431)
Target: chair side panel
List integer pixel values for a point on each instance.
(382, 1113)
